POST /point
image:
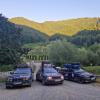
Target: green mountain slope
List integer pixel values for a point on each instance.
(30, 35)
(66, 27)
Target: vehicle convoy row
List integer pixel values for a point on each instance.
(49, 74)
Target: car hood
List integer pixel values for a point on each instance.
(19, 76)
(86, 74)
(53, 74)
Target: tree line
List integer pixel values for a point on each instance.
(10, 44)
(84, 47)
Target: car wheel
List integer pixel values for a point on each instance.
(30, 83)
(61, 83)
(8, 87)
(37, 79)
(76, 79)
(43, 82)
(32, 79)
(81, 81)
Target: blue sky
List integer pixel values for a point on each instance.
(46, 10)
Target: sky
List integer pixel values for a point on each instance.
(50, 10)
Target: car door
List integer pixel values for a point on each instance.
(39, 75)
(31, 75)
(70, 74)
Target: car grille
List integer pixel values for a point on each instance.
(91, 76)
(56, 77)
(17, 80)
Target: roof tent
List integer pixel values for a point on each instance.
(72, 65)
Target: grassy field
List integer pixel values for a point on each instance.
(93, 69)
(2, 79)
(5, 68)
(98, 80)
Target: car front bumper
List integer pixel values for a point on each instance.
(93, 79)
(56, 81)
(12, 84)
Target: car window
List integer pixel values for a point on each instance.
(47, 65)
(79, 71)
(50, 70)
(22, 71)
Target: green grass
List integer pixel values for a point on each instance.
(2, 79)
(93, 69)
(4, 68)
(98, 80)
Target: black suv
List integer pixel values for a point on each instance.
(20, 77)
(49, 75)
(79, 75)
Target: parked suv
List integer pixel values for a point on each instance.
(75, 73)
(49, 75)
(80, 76)
(20, 77)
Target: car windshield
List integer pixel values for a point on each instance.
(50, 70)
(47, 65)
(79, 71)
(22, 71)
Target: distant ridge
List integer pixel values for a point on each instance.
(66, 27)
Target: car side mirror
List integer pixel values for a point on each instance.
(11, 72)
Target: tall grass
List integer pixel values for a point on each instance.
(4, 68)
(93, 69)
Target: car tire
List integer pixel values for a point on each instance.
(30, 83)
(8, 87)
(76, 79)
(37, 79)
(61, 83)
(81, 81)
(43, 82)
(32, 79)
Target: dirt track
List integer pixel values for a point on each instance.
(67, 91)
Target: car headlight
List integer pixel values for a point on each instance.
(49, 78)
(10, 79)
(62, 77)
(26, 78)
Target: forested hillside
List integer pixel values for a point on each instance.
(10, 44)
(18, 40)
(66, 27)
(30, 35)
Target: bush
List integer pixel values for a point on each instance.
(4, 68)
(61, 52)
(93, 69)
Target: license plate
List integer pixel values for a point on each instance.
(17, 83)
(57, 80)
(93, 78)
